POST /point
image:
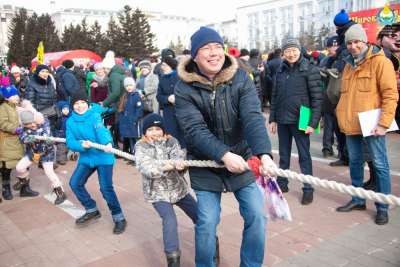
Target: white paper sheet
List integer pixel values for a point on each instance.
(369, 120)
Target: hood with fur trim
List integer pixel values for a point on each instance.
(190, 73)
(26, 105)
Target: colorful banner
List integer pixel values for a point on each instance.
(40, 53)
(369, 20)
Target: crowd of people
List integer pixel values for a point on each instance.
(208, 104)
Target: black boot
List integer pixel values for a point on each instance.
(26, 191)
(307, 198)
(7, 194)
(382, 217)
(61, 196)
(174, 259)
(87, 217)
(371, 183)
(119, 227)
(216, 256)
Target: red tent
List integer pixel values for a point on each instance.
(78, 56)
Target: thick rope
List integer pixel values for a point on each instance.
(275, 171)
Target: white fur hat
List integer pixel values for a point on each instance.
(15, 69)
(109, 60)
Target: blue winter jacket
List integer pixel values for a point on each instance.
(89, 126)
(128, 120)
(69, 82)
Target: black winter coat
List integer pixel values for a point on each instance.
(219, 116)
(166, 87)
(271, 68)
(296, 86)
(41, 93)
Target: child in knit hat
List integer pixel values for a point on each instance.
(130, 111)
(84, 127)
(164, 186)
(34, 123)
(11, 149)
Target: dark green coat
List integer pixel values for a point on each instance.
(115, 86)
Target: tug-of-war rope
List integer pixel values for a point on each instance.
(275, 171)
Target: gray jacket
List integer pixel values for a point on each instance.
(158, 185)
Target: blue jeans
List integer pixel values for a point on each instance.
(286, 132)
(377, 150)
(251, 207)
(169, 222)
(105, 172)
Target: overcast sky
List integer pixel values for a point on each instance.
(211, 10)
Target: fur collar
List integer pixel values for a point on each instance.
(40, 80)
(189, 73)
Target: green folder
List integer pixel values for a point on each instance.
(304, 120)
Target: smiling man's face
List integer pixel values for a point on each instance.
(210, 59)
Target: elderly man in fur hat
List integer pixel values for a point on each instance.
(219, 111)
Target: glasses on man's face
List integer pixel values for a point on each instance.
(209, 47)
(290, 51)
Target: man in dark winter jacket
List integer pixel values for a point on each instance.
(328, 108)
(270, 69)
(219, 111)
(166, 52)
(298, 83)
(67, 83)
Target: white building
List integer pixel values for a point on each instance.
(6, 14)
(63, 18)
(265, 24)
(165, 27)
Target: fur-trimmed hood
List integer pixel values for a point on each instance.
(26, 105)
(189, 72)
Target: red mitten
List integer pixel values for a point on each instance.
(254, 164)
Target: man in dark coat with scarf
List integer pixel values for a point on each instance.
(298, 83)
(219, 111)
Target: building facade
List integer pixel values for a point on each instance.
(264, 25)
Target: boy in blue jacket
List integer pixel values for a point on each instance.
(84, 126)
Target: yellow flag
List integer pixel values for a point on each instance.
(40, 53)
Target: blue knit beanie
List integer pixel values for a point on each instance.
(341, 18)
(202, 37)
(62, 104)
(8, 91)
